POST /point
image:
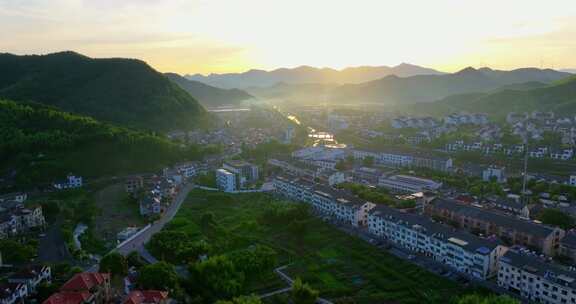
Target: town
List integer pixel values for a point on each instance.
(485, 226)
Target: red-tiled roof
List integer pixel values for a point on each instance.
(146, 296)
(84, 281)
(66, 297)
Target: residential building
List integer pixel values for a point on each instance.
(334, 203)
(243, 171)
(147, 297)
(510, 229)
(568, 246)
(16, 219)
(191, 169)
(81, 297)
(494, 172)
(19, 197)
(463, 251)
(511, 206)
(294, 168)
(32, 277)
(133, 184)
(71, 182)
(535, 278)
(11, 293)
(150, 205)
(365, 175)
(86, 287)
(332, 177)
(226, 180)
(408, 184)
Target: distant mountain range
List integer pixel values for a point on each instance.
(210, 96)
(123, 91)
(307, 74)
(427, 88)
(571, 71)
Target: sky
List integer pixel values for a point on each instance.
(217, 36)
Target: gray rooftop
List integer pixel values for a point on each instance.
(470, 242)
(499, 219)
(538, 266)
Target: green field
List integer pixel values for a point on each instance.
(336, 264)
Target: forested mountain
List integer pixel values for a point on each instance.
(209, 96)
(42, 143)
(559, 97)
(307, 75)
(123, 91)
(427, 88)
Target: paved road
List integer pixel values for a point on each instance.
(137, 243)
(52, 247)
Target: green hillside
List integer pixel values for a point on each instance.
(560, 98)
(122, 91)
(210, 96)
(41, 143)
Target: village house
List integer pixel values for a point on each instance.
(147, 297)
(32, 277)
(71, 182)
(86, 287)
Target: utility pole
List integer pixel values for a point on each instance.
(525, 172)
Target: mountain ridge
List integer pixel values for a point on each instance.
(207, 95)
(428, 88)
(122, 91)
(307, 74)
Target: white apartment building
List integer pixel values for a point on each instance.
(226, 180)
(328, 201)
(460, 250)
(408, 184)
(536, 279)
(190, 169)
(498, 173)
(384, 158)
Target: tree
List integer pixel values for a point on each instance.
(302, 293)
(476, 299)
(161, 276)
(340, 165)
(557, 218)
(15, 252)
(242, 300)
(216, 277)
(45, 290)
(368, 161)
(114, 263)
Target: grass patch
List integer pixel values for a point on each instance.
(333, 262)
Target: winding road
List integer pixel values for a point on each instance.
(137, 243)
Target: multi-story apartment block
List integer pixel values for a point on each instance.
(244, 171)
(510, 229)
(294, 168)
(226, 180)
(399, 159)
(408, 184)
(534, 278)
(337, 204)
(463, 251)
